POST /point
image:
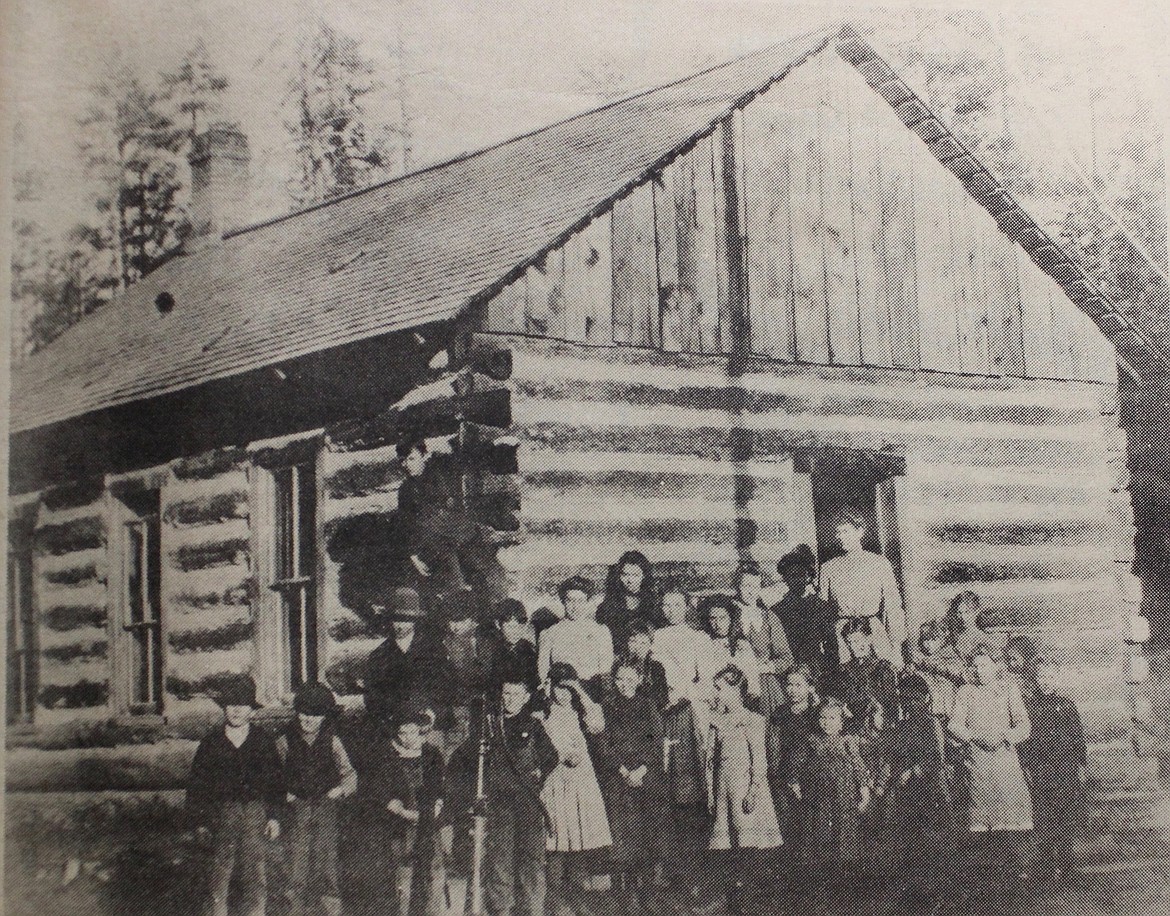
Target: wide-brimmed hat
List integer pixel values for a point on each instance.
(562, 673)
(802, 556)
(405, 605)
(315, 700)
(459, 605)
(240, 690)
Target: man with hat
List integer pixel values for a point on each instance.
(459, 671)
(317, 772)
(234, 793)
(809, 621)
(398, 669)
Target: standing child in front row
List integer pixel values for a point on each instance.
(832, 789)
(1054, 759)
(317, 772)
(234, 793)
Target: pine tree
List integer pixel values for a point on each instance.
(195, 88)
(336, 147)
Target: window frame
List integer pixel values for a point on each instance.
(142, 631)
(21, 594)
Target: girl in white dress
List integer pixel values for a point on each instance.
(571, 794)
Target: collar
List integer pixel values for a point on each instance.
(242, 733)
(404, 753)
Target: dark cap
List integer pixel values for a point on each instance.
(576, 584)
(417, 713)
(562, 673)
(802, 556)
(240, 690)
(405, 605)
(459, 605)
(315, 700)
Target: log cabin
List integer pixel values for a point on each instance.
(696, 322)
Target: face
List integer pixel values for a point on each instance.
(514, 698)
(1046, 678)
(562, 695)
(631, 577)
(674, 607)
(410, 735)
(578, 606)
(849, 536)
(310, 725)
(859, 644)
(930, 645)
(797, 689)
(984, 666)
(639, 645)
(719, 620)
(626, 681)
(797, 577)
(831, 721)
(415, 461)
(403, 629)
(238, 716)
(1013, 659)
(749, 588)
(968, 611)
(513, 630)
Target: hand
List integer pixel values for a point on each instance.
(395, 807)
(334, 793)
(794, 788)
(572, 759)
(906, 777)
(863, 805)
(272, 831)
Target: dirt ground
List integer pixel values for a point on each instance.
(115, 855)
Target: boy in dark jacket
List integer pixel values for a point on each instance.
(234, 794)
(1054, 759)
(317, 772)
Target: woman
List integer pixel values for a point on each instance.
(964, 627)
(630, 595)
(578, 640)
(720, 618)
(990, 721)
(571, 795)
(631, 778)
(740, 800)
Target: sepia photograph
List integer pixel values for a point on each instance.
(626, 458)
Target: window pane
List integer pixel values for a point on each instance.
(143, 603)
(307, 521)
(135, 543)
(22, 655)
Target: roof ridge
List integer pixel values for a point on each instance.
(827, 31)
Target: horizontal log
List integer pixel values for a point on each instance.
(483, 354)
(361, 479)
(232, 529)
(80, 695)
(540, 460)
(54, 673)
(84, 574)
(715, 442)
(960, 496)
(67, 653)
(87, 533)
(183, 687)
(1018, 529)
(74, 494)
(730, 397)
(227, 636)
(209, 555)
(213, 510)
(541, 582)
(210, 464)
(74, 616)
(1006, 564)
(198, 665)
(287, 453)
(536, 552)
(645, 532)
(650, 487)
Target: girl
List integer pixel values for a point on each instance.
(809, 621)
(571, 794)
(939, 666)
(788, 729)
(652, 680)
(832, 788)
(631, 777)
(630, 595)
(764, 631)
(963, 626)
(865, 678)
(918, 804)
(727, 646)
(578, 640)
(990, 722)
(740, 799)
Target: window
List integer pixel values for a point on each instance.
(22, 642)
(295, 563)
(142, 606)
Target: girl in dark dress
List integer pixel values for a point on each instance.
(1054, 759)
(630, 771)
(865, 678)
(630, 595)
(788, 729)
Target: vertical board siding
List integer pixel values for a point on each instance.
(635, 269)
(699, 274)
(666, 232)
(938, 321)
(1039, 358)
(768, 139)
(589, 283)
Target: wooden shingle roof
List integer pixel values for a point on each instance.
(405, 253)
(421, 248)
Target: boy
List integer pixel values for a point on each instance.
(233, 794)
(317, 772)
(1054, 759)
(509, 648)
(809, 622)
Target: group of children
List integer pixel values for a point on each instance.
(803, 741)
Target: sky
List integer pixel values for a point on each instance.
(478, 72)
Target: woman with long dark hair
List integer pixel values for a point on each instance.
(631, 594)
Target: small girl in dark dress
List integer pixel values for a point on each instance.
(1054, 759)
(788, 730)
(833, 789)
(630, 771)
(865, 677)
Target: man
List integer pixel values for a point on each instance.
(400, 668)
(859, 584)
(459, 670)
